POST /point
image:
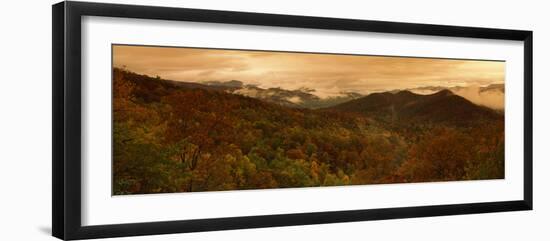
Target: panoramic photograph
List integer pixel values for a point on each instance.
(198, 119)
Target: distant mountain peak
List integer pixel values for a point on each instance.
(444, 92)
(442, 106)
(230, 83)
(491, 95)
(307, 90)
(404, 92)
(492, 87)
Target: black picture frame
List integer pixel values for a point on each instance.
(66, 75)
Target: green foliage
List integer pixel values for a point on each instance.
(171, 138)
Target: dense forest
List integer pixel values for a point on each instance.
(177, 137)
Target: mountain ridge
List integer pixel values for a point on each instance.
(299, 98)
(192, 137)
(442, 106)
(389, 103)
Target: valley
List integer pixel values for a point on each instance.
(173, 136)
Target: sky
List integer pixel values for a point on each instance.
(327, 74)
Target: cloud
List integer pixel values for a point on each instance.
(493, 98)
(328, 74)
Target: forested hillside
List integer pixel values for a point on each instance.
(171, 137)
(405, 107)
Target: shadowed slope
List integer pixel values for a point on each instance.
(443, 106)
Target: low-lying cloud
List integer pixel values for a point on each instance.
(328, 74)
(491, 98)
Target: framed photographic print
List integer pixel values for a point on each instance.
(169, 120)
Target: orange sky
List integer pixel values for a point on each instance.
(328, 74)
